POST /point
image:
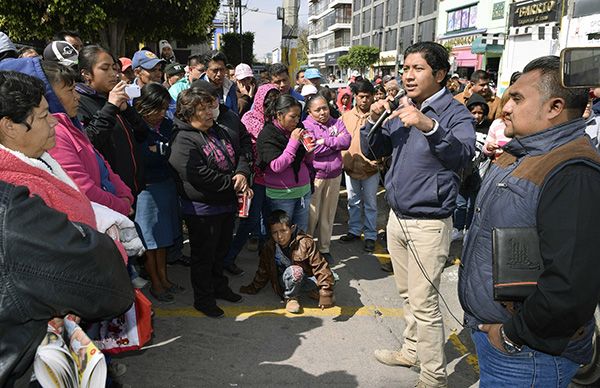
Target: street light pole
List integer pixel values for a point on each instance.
(241, 36)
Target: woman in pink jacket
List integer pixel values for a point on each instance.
(331, 137)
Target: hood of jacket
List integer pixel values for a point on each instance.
(254, 119)
(344, 107)
(33, 67)
(478, 99)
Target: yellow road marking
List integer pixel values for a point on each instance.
(462, 349)
(249, 311)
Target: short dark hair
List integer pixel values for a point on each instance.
(229, 66)
(19, 95)
(25, 49)
(363, 86)
(194, 58)
(88, 57)
(207, 87)
(281, 105)
(214, 55)
(478, 75)
(276, 69)
(61, 35)
(514, 77)
(298, 74)
(188, 100)
(550, 85)
(279, 217)
(309, 102)
(154, 97)
(59, 74)
(435, 55)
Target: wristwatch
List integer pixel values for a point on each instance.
(508, 345)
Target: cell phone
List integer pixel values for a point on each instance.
(133, 91)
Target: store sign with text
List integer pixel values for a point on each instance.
(534, 12)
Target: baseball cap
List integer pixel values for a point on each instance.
(145, 59)
(125, 63)
(312, 73)
(455, 76)
(355, 73)
(243, 71)
(62, 52)
(308, 90)
(174, 68)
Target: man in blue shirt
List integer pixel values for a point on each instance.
(280, 77)
(430, 136)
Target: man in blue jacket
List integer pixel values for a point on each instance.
(431, 137)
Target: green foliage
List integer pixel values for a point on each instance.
(230, 46)
(343, 61)
(362, 57)
(302, 53)
(109, 21)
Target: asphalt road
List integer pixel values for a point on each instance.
(258, 344)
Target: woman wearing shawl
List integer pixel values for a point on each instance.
(255, 223)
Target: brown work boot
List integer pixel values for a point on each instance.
(392, 358)
(292, 306)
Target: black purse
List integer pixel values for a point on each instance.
(516, 263)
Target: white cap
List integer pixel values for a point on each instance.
(307, 90)
(243, 71)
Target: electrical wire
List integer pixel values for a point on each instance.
(413, 249)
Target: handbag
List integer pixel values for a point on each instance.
(129, 331)
(516, 263)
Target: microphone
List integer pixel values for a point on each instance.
(393, 106)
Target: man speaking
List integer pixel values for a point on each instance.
(430, 137)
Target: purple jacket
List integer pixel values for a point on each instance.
(328, 156)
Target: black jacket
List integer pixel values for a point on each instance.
(116, 135)
(198, 176)
(50, 267)
(239, 136)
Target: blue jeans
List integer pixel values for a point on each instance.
(465, 207)
(527, 368)
(363, 193)
(254, 224)
(297, 209)
(293, 281)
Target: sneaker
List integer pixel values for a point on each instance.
(349, 237)
(233, 269)
(252, 244)
(212, 311)
(457, 234)
(387, 267)
(369, 245)
(392, 358)
(327, 256)
(139, 282)
(175, 289)
(230, 296)
(164, 297)
(292, 306)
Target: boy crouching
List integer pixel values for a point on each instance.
(292, 263)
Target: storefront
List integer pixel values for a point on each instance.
(386, 64)
(331, 66)
(462, 58)
(533, 33)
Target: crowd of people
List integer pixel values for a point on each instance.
(137, 150)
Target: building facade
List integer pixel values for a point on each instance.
(392, 26)
(474, 32)
(328, 33)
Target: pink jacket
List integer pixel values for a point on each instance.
(496, 135)
(77, 156)
(54, 192)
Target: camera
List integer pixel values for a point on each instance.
(133, 91)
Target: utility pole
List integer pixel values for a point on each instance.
(239, 5)
(289, 36)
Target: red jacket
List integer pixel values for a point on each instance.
(77, 156)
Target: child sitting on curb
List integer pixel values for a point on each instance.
(291, 262)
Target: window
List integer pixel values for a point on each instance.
(408, 10)
(366, 2)
(366, 41)
(366, 21)
(378, 16)
(356, 5)
(462, 19)
(586, 8)
(391, 16)
(427, 6)
(406, 37)
(390, 39)
(426, 31)
(356, 24)
(377, 38)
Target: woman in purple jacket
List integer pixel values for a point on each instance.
(331, 139)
